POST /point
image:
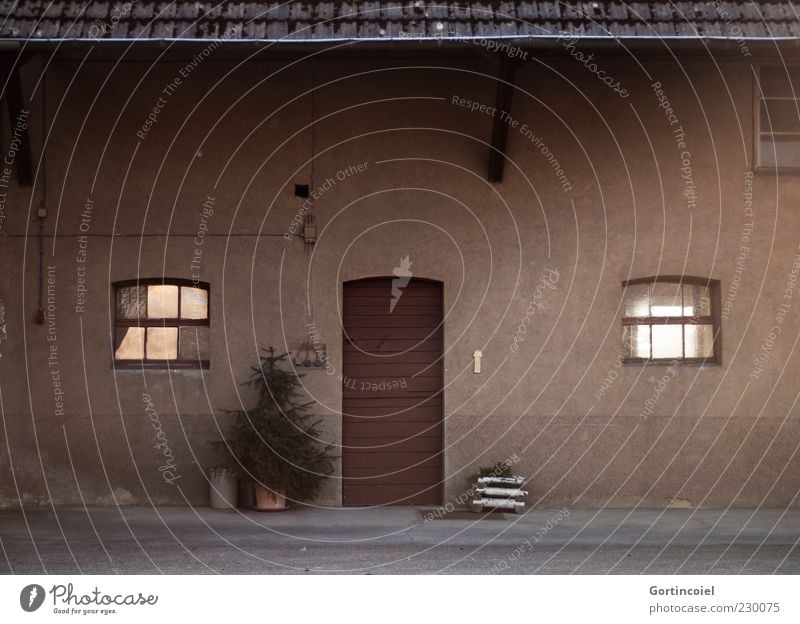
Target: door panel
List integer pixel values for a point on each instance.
(392, 416)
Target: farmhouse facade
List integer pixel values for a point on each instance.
(560, 234)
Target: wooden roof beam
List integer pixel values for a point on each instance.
(17, 117)
(504, 98)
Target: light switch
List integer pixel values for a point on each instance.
(476, 366)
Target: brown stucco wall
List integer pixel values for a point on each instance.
(243, 135)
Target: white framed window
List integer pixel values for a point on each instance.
(777, 122)
(667, 318)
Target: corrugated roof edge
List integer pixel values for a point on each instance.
(407, 39)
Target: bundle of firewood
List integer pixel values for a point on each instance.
(499, 493)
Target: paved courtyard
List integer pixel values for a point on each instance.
(132, 540)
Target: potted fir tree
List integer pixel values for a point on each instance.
(274, 441)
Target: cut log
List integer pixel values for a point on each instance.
(516, 480)
(498, 503)
(502, 492)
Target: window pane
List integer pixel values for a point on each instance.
(637, 300)
(779, 81)
(162, 343)
(699, 341)
(130, 302)
(636, 341)
(666, 300)
(194, 343)
(780, 116)
(162, 301)
(194, 303)
(780, 151)
(130, 343)
(667, 341)
(696, 300)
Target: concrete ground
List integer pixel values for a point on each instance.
(132, 540)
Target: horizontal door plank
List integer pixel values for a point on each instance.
(392, 322)
(384, 368)
(392, 445)
(384, 301)
(383, 333)
(423, 476)
(394, 413)
(365, 494)
(413, 356)
(385, 428)
(386, 460)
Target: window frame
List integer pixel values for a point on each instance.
(176, 322)
(713, 319)
(759, 166)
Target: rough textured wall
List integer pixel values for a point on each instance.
(611, 208)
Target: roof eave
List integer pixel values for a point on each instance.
(761, 44)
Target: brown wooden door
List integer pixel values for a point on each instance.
(392, 396)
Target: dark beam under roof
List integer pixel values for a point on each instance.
(17, 117)
(503, 100)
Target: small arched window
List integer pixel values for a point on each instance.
(671, 318)
(161, 323)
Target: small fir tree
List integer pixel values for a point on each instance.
(274, 441)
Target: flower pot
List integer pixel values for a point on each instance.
(270, 500)
(223, 488)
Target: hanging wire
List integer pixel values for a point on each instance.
(42, 211)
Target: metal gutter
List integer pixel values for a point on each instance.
(431, 40)
(290, 45)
